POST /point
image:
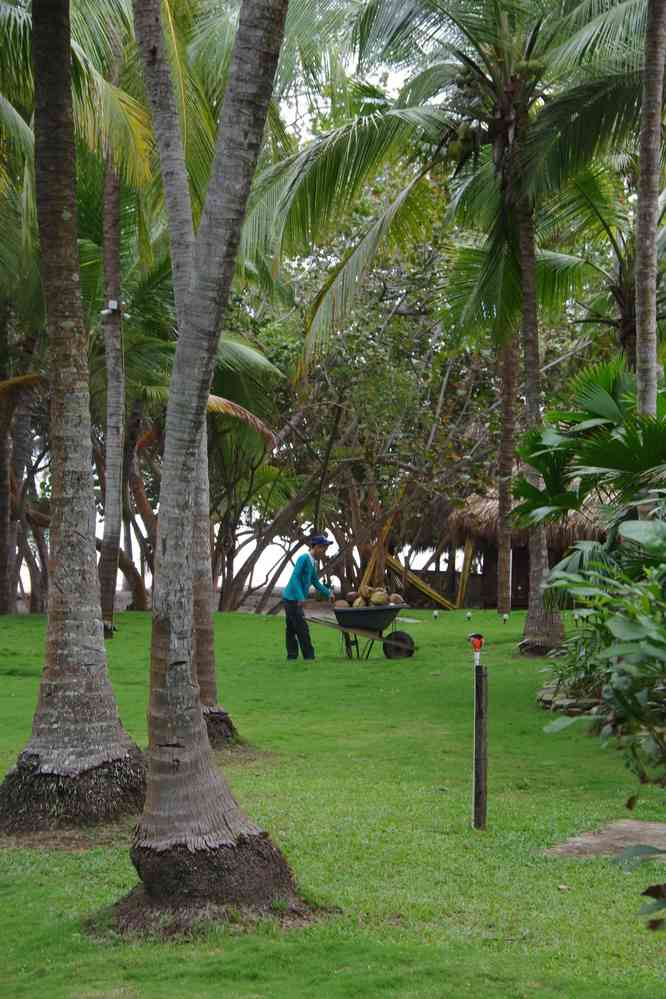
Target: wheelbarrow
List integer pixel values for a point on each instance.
(370, 623)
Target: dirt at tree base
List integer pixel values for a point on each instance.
(612, 839)
(31, 801)
(250, 873)
(137, 916)
(534, 648)
(221, 730)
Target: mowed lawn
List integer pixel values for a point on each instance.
(362, 773)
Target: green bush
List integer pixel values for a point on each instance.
(619, 648)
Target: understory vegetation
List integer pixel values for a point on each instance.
(361, 771)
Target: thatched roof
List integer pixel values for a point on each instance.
(477, 520)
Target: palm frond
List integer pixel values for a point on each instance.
(15, 131)
(596, 30)
(403, 218)
(326, 177)
(579, 125)
(225, 407)
(21, 383)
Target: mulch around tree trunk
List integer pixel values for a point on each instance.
(612, 839)
(32, 801)
(221, 729)
(138, 916)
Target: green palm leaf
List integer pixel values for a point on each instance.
(402, 219)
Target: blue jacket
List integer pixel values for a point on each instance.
(302, 578)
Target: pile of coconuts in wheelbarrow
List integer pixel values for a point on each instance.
(370, 596)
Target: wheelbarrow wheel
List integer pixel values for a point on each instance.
(399, 645)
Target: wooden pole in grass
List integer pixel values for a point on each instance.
(480, 791)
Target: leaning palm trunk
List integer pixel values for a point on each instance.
(648, 208)
(79, 765)
(543, 628)
(219, 725)
(192, 839)
(508, 364)
(115, 400)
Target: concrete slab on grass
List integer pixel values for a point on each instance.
(613, 839)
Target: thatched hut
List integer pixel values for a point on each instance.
(477, 522)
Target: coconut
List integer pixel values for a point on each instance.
(352, 596)
(395, 598)
(364, 591)
(379, 597)
(341, 603)
(359, 602)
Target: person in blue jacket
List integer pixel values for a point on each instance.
(296, 592)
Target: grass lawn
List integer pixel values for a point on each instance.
(362, 775)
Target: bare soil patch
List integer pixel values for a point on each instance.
(612, 839)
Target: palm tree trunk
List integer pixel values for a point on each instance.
(648, 208)
(21, 459)
(6, 556)
(79, 765)
(219, 725)
(115, 400)
(192, 839)
(543, 628)
(508, 365)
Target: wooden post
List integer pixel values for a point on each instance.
(464, 576)
(480, 792)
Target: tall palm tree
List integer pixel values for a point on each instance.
(192, 834)
(115, 395)
(649, 188)
(79, 764)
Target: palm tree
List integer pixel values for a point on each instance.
(5, 504)
(192, 833)
(115, 395)
(79, 764)
(648, 206)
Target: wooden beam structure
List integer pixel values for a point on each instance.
(418, 583)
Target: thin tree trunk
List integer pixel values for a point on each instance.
(37, 604)
(115, 400)
(192, 839)
(648, 208)
(270, 586)
(21, 459)
(219, 725)
(79, 765)
(7, 556)
(543, 628)
(508, 372)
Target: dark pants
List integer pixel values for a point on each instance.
(297, 632)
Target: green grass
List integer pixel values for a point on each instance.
(363, 778)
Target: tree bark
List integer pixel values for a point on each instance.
(21, 462)
(115, 400)
(219, 725)
(6, 556)
(508, 372)
(192, 839)
(648, 208)
(543, 628)
(79, 765)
